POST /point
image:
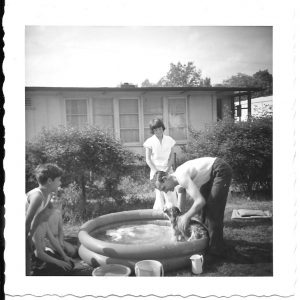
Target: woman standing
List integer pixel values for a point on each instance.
(160, 157)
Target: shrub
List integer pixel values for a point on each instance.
(135, 195)
(135, 192)
(245, 145)
(70, 197)
(81, 152)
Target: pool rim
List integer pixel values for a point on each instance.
(134, 251)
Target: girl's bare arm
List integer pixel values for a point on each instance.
(171, 159)
(149, 160)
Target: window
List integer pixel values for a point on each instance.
(177, 118)
(153, 108)
(128, 117)
(103, 114)
(129, 120)
(76, 111)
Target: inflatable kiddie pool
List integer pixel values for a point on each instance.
(96, 249)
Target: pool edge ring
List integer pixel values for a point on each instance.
(133, 252)
(95, 260)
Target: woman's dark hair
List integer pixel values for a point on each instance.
(45, 171)
(156, 123)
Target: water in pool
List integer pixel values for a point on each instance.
(135, 233)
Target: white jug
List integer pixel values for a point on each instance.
(149, 268)
(197, 263)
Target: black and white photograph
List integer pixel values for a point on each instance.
(97, 123)
(149, 149)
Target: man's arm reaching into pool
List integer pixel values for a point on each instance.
(199, 202)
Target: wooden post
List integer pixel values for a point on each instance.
(249, 105)
(239, 111)
(240, 107)
(232, 108)
(219, 109)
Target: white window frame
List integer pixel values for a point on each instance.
(166, 116)
(91, 106)
(117, 116)
(143, 114)
(88, 100)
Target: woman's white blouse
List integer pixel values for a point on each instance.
(160, 151)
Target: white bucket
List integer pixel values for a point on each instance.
(149, 268)
(197, 263)
(112, 270)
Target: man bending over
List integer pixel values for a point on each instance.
(207, 182)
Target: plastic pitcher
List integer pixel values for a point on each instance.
(197, 263)
(149, 268)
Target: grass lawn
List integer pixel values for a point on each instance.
(252, 239)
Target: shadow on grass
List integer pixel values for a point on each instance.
(237, 224)
(246, 252)
(243, 259)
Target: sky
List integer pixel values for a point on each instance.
(108, 56)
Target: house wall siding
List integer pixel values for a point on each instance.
(49, 110)
(202, 111)
(45, 112)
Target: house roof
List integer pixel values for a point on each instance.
(145, 89)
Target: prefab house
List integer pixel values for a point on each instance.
(126, 111)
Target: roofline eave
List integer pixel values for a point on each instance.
(144, 89)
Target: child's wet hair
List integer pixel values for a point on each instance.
(45, 171)
(156, 123)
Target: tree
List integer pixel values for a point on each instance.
(262, 79)
(265, 80)
(147, 83)
(239, 80)
(181, 75)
